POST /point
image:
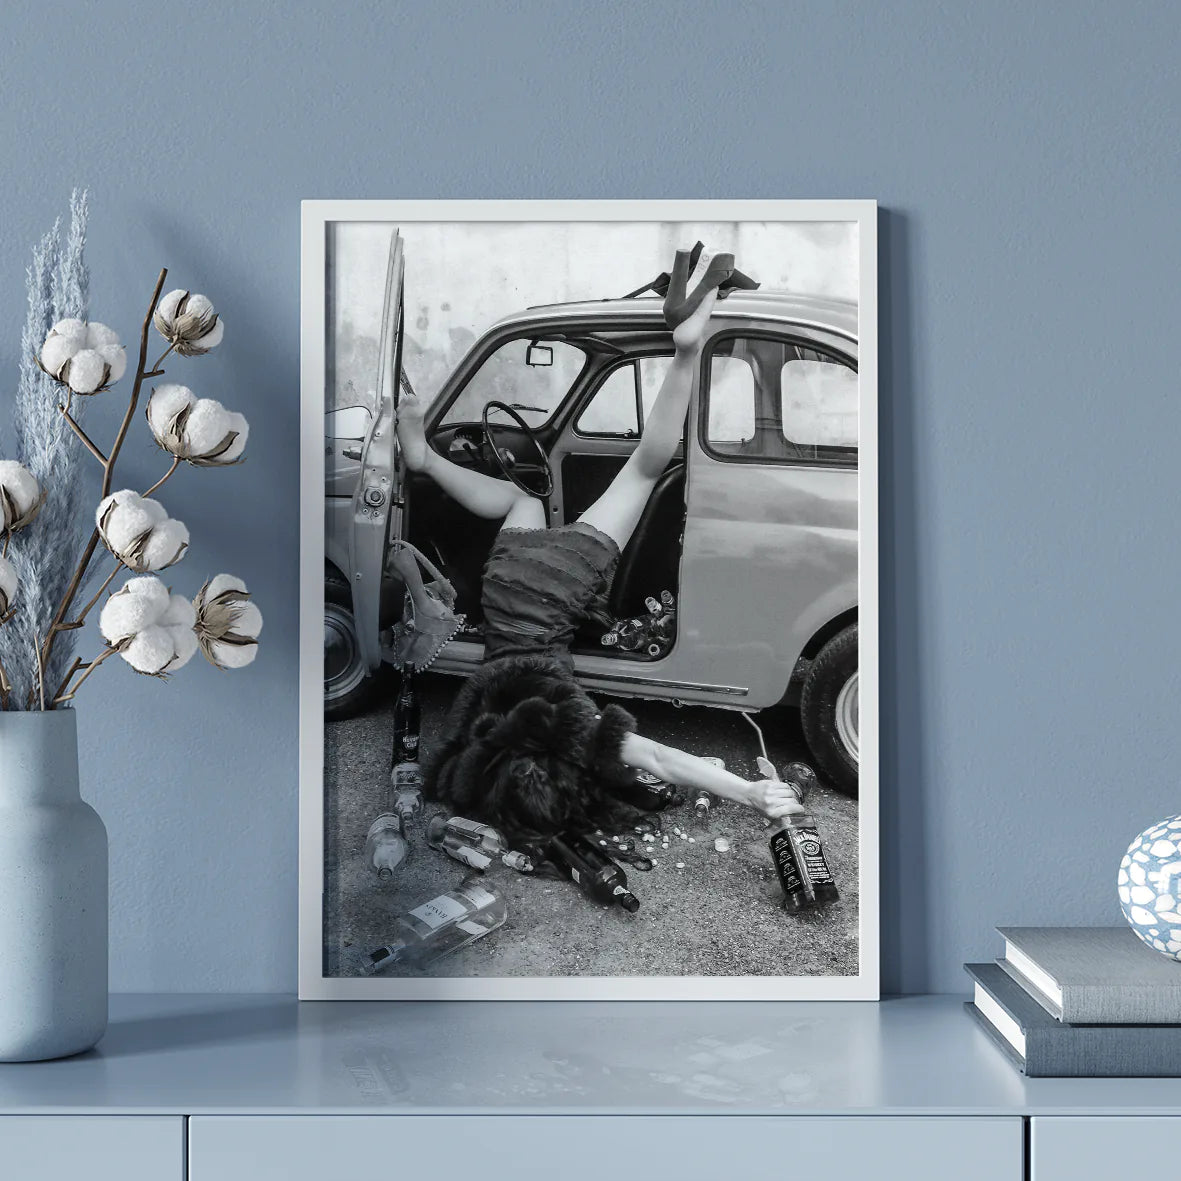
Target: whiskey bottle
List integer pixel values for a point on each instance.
(646, 792)
(439, 927)
(407, 721)
(797, 849)
(595, 874)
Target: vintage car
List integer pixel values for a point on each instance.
(753, 527)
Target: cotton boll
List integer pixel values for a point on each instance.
(151, 651)
(124, 517)
(210, 340)
(56, 351)
(234, 655)
(200, 307)
(184, 644)
(21, 486)
(87, 370)
(115, 357)
(248, 621)
(241, 428)
(166, 308)
(99, 335)
(166, 402)
(220, 583)
(166, 545)
(207, 427)
(139, 604)
(72, 330)
(180, 613)
(8, 585)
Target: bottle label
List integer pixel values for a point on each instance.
(575, 874)
(476, 895)
(470, 928)
(467, 828)
(439, 911)
(786, 864)
(812, 856)
(467, 855)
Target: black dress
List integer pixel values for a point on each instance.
(539, 586)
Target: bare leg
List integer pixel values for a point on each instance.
(483, 495)
(618, 510)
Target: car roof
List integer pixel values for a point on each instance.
(819, 311)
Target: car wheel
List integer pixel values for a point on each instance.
(347, 684)
(830, 710)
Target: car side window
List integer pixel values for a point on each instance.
(774, 400)
(819, 406)
(614, 409)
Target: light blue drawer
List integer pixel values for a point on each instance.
(91, 1148)
(1099, 1148)
(589, 1148)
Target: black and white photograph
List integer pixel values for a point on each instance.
(589, 530)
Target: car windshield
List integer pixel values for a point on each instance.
(533, 376)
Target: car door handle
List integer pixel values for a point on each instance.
(351, 452)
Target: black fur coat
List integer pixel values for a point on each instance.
(526, 750)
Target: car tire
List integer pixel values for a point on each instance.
(829, 711)
(348, 687)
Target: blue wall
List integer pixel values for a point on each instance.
(1025, 157)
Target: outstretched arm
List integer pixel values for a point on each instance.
(769, 796)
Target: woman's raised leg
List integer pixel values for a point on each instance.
(618, 510)
(481, 494)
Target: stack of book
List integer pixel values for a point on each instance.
(1081, 1002)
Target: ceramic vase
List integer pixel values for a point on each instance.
(53, 893)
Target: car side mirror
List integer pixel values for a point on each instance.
(539, 354)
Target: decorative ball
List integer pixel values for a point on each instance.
(1150, 886)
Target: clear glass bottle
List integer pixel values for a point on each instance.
(386, 846)
(439, 927)
(473, 844)
(406, 790)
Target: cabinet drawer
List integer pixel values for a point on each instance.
(589, 1148)
(94, 1147)
(1102, 1148)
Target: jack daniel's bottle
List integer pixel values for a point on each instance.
(796, 847)
(595, 874)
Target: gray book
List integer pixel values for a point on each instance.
(1044, 1048)
(1094, 975)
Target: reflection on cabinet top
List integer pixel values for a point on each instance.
(192, 1054)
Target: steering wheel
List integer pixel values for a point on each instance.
(509, 466)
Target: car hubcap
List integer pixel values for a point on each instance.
(847, 717)
(342, 658)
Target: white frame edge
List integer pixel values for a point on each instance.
(313, 985)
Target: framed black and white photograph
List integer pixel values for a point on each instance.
(589, 626)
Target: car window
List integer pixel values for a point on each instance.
(534, 390)
(773, 400)
(731, 398)
(819, 406)
(612, 411)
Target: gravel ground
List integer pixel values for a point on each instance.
(722, 915)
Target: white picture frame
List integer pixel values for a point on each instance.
(318, 218)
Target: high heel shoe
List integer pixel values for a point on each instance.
(720, 273)
(737, 281)
(428, 620)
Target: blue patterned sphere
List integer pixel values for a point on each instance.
(1150, 886)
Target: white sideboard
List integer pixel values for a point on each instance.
(219, 1088)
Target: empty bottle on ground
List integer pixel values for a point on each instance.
(439, 927)
(595, 874)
